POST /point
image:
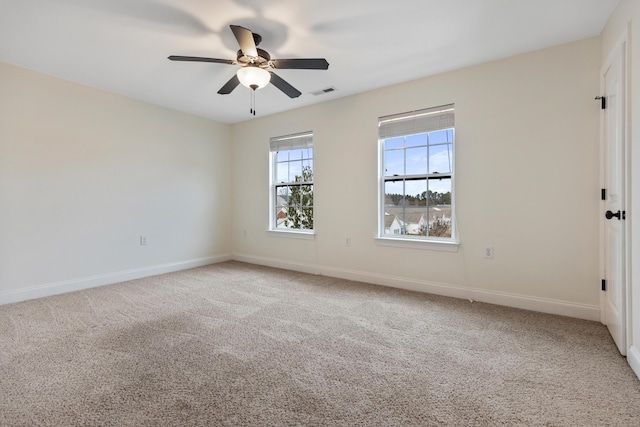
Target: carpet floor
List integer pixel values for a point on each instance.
(235, 344)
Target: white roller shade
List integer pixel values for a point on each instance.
(291, 142)
(419, 121)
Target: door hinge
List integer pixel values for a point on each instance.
(603, 102)
(603, 194)
(624, 214)
(604, 285)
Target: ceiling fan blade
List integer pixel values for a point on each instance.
(199, 59)
(281, 84)
(301, 64)
(229, 86)
(245, 40)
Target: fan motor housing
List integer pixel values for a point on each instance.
(261, 61)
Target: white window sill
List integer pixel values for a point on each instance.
(293, 234)
(432, 245)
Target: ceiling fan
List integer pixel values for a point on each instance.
(255, 63)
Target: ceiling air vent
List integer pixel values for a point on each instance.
(323, 91)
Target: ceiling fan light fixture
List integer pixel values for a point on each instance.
(253, 77)
(254, 62)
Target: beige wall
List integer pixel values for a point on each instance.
(625, 22)
(527, 143)
(83, 173)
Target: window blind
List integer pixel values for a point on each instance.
(419, 121)
(291, 142)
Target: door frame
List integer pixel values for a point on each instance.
(621, 43)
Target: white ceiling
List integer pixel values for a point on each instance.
(122, 45)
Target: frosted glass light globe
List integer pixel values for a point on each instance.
(253, 76)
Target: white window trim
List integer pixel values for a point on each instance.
(298, 140)
(427, 242)
(293, 234)
(414, 243)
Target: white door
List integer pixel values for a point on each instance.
(613, 212)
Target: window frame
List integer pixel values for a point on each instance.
(298, 141)
(408, 124)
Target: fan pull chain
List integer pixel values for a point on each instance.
(252, 108)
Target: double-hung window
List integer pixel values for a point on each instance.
(292, 182)
(416, 175)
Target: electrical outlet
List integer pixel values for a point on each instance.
(488, 252)
(143, 240)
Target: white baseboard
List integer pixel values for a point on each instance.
(543, 305)
(276, 263)
(104, 279)
(633, 358)
(581, 311)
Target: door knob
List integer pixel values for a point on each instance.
(610, 214)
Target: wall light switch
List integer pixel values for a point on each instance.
(143, 240)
